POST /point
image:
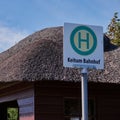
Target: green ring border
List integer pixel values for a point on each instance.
(72, 40)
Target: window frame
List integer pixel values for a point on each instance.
(90, 116)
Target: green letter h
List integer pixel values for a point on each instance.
(83, 40)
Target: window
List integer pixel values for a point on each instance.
(72, 109)
(9, 110)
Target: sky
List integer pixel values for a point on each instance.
(20, 18)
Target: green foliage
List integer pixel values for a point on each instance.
(12, 114)
(114, 29)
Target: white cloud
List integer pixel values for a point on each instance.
(9, 37)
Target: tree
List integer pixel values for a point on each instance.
(12, 114)
(114, 29)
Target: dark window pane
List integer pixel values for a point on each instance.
(72, 107)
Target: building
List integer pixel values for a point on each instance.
(36, 86)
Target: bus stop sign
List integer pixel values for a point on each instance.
(83, 46)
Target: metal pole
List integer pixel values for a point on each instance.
(84, 91)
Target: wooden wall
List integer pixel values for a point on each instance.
(26, 108)
(107, 100)
(23, 93)
(47, 102)
(49, 99)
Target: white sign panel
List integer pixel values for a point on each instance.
(83, 46)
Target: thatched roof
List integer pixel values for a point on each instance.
(40, 57)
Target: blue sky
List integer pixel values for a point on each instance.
(20, 18)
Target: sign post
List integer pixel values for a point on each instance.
(84, 91)
(83, 48)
